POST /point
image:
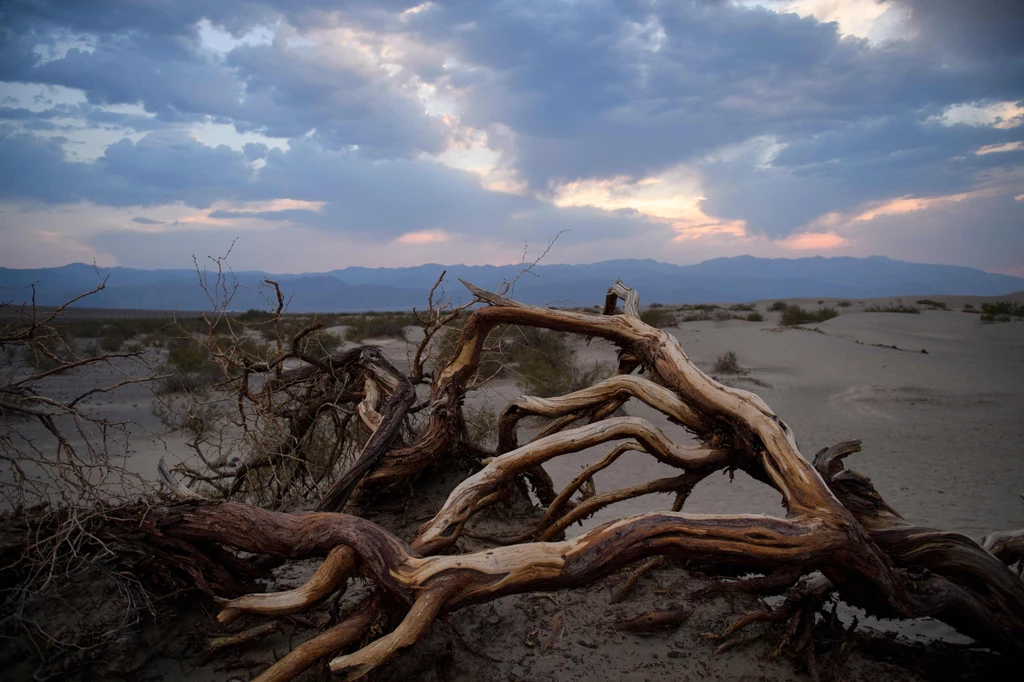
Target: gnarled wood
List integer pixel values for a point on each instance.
(403, 395)
(838, 530)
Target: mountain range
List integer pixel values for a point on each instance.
(724, 280)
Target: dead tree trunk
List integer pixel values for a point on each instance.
(837, 527)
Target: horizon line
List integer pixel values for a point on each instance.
(524, 263)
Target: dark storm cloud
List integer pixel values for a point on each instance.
(35, 168)
(150, 53)
(163, 167)
(875, 159)
(986, 28)
(383, 199)
(604, 88)
(586, 90)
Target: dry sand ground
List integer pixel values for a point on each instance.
(943, 440)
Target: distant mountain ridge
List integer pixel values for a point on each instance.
(725, 280)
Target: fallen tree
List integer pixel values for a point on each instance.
(838, 535)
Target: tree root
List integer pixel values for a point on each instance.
(838, 532)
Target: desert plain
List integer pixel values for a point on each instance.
(937, 399)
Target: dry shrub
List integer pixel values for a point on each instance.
(378, 325)
(658, 317)
(893, 308)
(727, 363)
(794, 315)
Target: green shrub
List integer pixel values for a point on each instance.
(122, 327)
(378, 325)
(794, 315)
(745, 307)
(893, 308)
(546, 362)
(695, 316)
(194, 413)
(754, 317)
(969, 308)
(844, 304)
(658, 317)
(778, 306)
(157, 339)
(320, 343)
(59, 346)
(190, 366)
(482, 426)
(543, 359)
(1003, 308)
(934, 305)
(241, 350)
(255, 316)
(989, 318)
(111, 343)
(727, 364)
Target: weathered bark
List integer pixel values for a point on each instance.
(838, 529)
(403, 395)
(969, 587)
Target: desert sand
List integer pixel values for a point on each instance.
(936, 398)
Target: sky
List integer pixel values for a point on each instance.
(318, 134)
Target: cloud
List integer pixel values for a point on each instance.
(425, 237)
(679, 128)
(980, 28)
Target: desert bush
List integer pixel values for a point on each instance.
(320, 343)
(754, 317)
(239, 350)
(287, 326)
(543, 359)
(695, 316)
(112, 342)
(255, 316)
(482, 426)
(157, 339)
(49, 351)
(190, 366)
(378, 325)
(721, 315)
(969, 308)
(123, 327)
(844, 304)
(893, 308)
(989, 318)
(543, 378)
(658, 317)
(1003, 308)
(546, 362)
(746, 307)
(934, 305)
(727, 363)
(794, 315)
(778, 306)
(194, 413)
